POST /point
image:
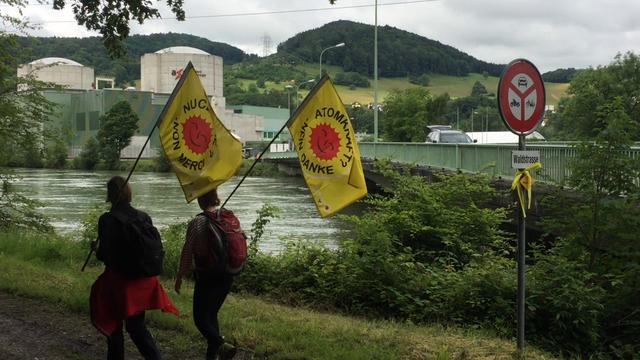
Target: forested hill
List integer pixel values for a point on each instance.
(91, 52)
(399, 52)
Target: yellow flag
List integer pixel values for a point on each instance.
(202, 152)
(327, 150)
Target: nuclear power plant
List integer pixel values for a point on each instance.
(86, 97)
(60, 71)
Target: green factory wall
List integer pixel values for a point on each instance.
(80, 111)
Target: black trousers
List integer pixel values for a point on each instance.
(139, 335)
(208, 296)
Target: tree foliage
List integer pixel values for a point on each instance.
(111, 18)
(583, 115)
(597, 226)
(351, 79)
(478, 89)
(419, 54)
(89, 156)
(408, 112)
(23, 109)
(561, 75)
(117, 127)
(422, 80)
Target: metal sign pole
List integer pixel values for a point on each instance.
(522, 244)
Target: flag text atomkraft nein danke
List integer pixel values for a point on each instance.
(345, 157)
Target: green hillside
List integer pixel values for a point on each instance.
(455, 86)
(400, 52)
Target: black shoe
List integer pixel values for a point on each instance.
(227, 351)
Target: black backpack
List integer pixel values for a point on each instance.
(140, 252)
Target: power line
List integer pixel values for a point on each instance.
(274, 12)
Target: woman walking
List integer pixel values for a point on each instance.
(118, 298)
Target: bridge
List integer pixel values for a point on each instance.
(491, 159)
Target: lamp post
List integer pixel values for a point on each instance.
(375, 76)
(289, 87)
(322, 52)
(297, 87)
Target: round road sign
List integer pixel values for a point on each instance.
(521, 97)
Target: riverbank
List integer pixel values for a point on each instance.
(53, 283)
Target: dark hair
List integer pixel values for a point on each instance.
(117, 191)
(209, 199)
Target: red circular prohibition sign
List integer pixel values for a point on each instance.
(521, 97)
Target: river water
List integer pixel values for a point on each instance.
(68, 195)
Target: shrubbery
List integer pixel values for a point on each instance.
(351, 79)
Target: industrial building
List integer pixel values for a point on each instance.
(60, 71)
(82, 103)
(161, 71)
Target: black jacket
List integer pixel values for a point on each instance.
(111, 234)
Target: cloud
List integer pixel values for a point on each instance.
(551, 33)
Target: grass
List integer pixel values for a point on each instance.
(455, 86)
(32, 268)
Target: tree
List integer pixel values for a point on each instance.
(90, 155)
(117, 127)
(592, 91)
(596, 222)
(111, 18)
(408, 112)
(478, 89)
(23, 112)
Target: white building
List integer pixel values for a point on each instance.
(161, 71)
(60, 71)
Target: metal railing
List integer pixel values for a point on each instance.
(494, 160)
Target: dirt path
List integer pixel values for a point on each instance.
(34, 330)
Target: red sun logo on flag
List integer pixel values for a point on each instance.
(197, 134)
(325, 142)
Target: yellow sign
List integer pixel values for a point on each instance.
(327, 150)
(202, 152)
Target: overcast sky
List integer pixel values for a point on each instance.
(550, 33)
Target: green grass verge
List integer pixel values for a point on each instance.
(268, 329)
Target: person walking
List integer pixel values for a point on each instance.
(212, 282)
(116, 296)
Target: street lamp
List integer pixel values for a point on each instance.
(297, 87)
(322, 52)
(289, 87)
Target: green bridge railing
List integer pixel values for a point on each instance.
(494, 160)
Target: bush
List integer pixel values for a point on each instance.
(161, 163)
(89, 156)
(351, 79)
(56, 155)
(564, 306)
(174, 238)
(422, 80)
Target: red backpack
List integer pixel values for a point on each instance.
(228, 245)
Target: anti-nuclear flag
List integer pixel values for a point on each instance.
(327, 149)
(202, 152)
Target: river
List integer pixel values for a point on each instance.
(67, 195)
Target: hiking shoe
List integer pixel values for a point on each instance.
(227, 351)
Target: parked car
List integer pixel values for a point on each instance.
(448, 136)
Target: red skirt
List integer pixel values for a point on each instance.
(114, 298)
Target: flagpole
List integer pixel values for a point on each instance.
(295, 113)
(164, 110)
(255, 162)
(86, 261)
